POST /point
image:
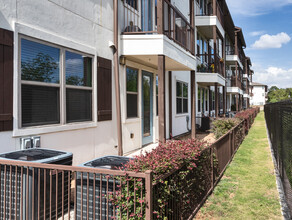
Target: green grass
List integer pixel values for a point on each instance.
(248, 188)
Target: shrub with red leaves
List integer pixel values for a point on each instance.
(183, 161)
(248, 115)
(167, 157)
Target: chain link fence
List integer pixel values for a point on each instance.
(279, 123)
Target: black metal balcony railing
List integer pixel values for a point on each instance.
(233, 81)
(152, 18)
(229, 50)
(207, 10)
(210, 65)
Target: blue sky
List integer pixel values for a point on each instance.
(267, 27)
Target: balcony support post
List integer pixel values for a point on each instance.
(192, 23)
(224, 58)
(224, 100)
(236, 44)
(214, 7)
(236, 103)
(193, 105)
(160, 16)
(236, 74)
(161, 97)
(210, 100)
(170, 87)
(215, 48)
(216, 100)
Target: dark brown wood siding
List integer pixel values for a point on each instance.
(6, 80)
(104, 89)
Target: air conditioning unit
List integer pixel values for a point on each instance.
(22, 198)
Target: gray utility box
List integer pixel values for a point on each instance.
(14, 191)
(102, 186)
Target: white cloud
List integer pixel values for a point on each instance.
(273, 76)
(271, 41)
(255, 7)
(256, 33)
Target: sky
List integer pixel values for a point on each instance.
(267, 28)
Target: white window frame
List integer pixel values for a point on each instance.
(62, 85)
(182, 97)
(133, 93)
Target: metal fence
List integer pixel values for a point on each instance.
(279, 123)
(44, 191)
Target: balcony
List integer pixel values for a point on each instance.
(234, 85)
(157, 28)
(211, 70)
(232, 58)
(207, 17)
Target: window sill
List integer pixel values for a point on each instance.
(181, 115)
(132, 120)
(52, 128)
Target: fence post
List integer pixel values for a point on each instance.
(230, 145)
(149, 194)
(243, 130)
(212, 166)
(233, 139)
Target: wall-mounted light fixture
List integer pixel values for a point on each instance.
(122, 60)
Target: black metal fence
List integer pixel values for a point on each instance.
(279, 123)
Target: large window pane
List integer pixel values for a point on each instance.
(178, 105)
(39, 62)
(185, 90)
(132, 105)
(178, 89)
(78, 105)
(185, 105)
(132, 80)
(78, 69)
(40, 105)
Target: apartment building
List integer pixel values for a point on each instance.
(108, 77)
(259, 94)
(210, 54)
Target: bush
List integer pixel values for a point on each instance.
(248, 115)
(222, 126)
(178, 158)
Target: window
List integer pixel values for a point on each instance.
(213, 100)
(203, 100)
(78, 70)
(199, 99)
(181, 97)
(132, 93)
(198, 43)
(42, 86)
(206, 100)
(133, 3)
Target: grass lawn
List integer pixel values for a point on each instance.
(248, 188)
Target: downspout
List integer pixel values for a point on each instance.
(117, 81)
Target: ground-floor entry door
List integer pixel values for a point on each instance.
(147, 107)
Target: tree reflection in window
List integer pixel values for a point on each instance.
(39, 62)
